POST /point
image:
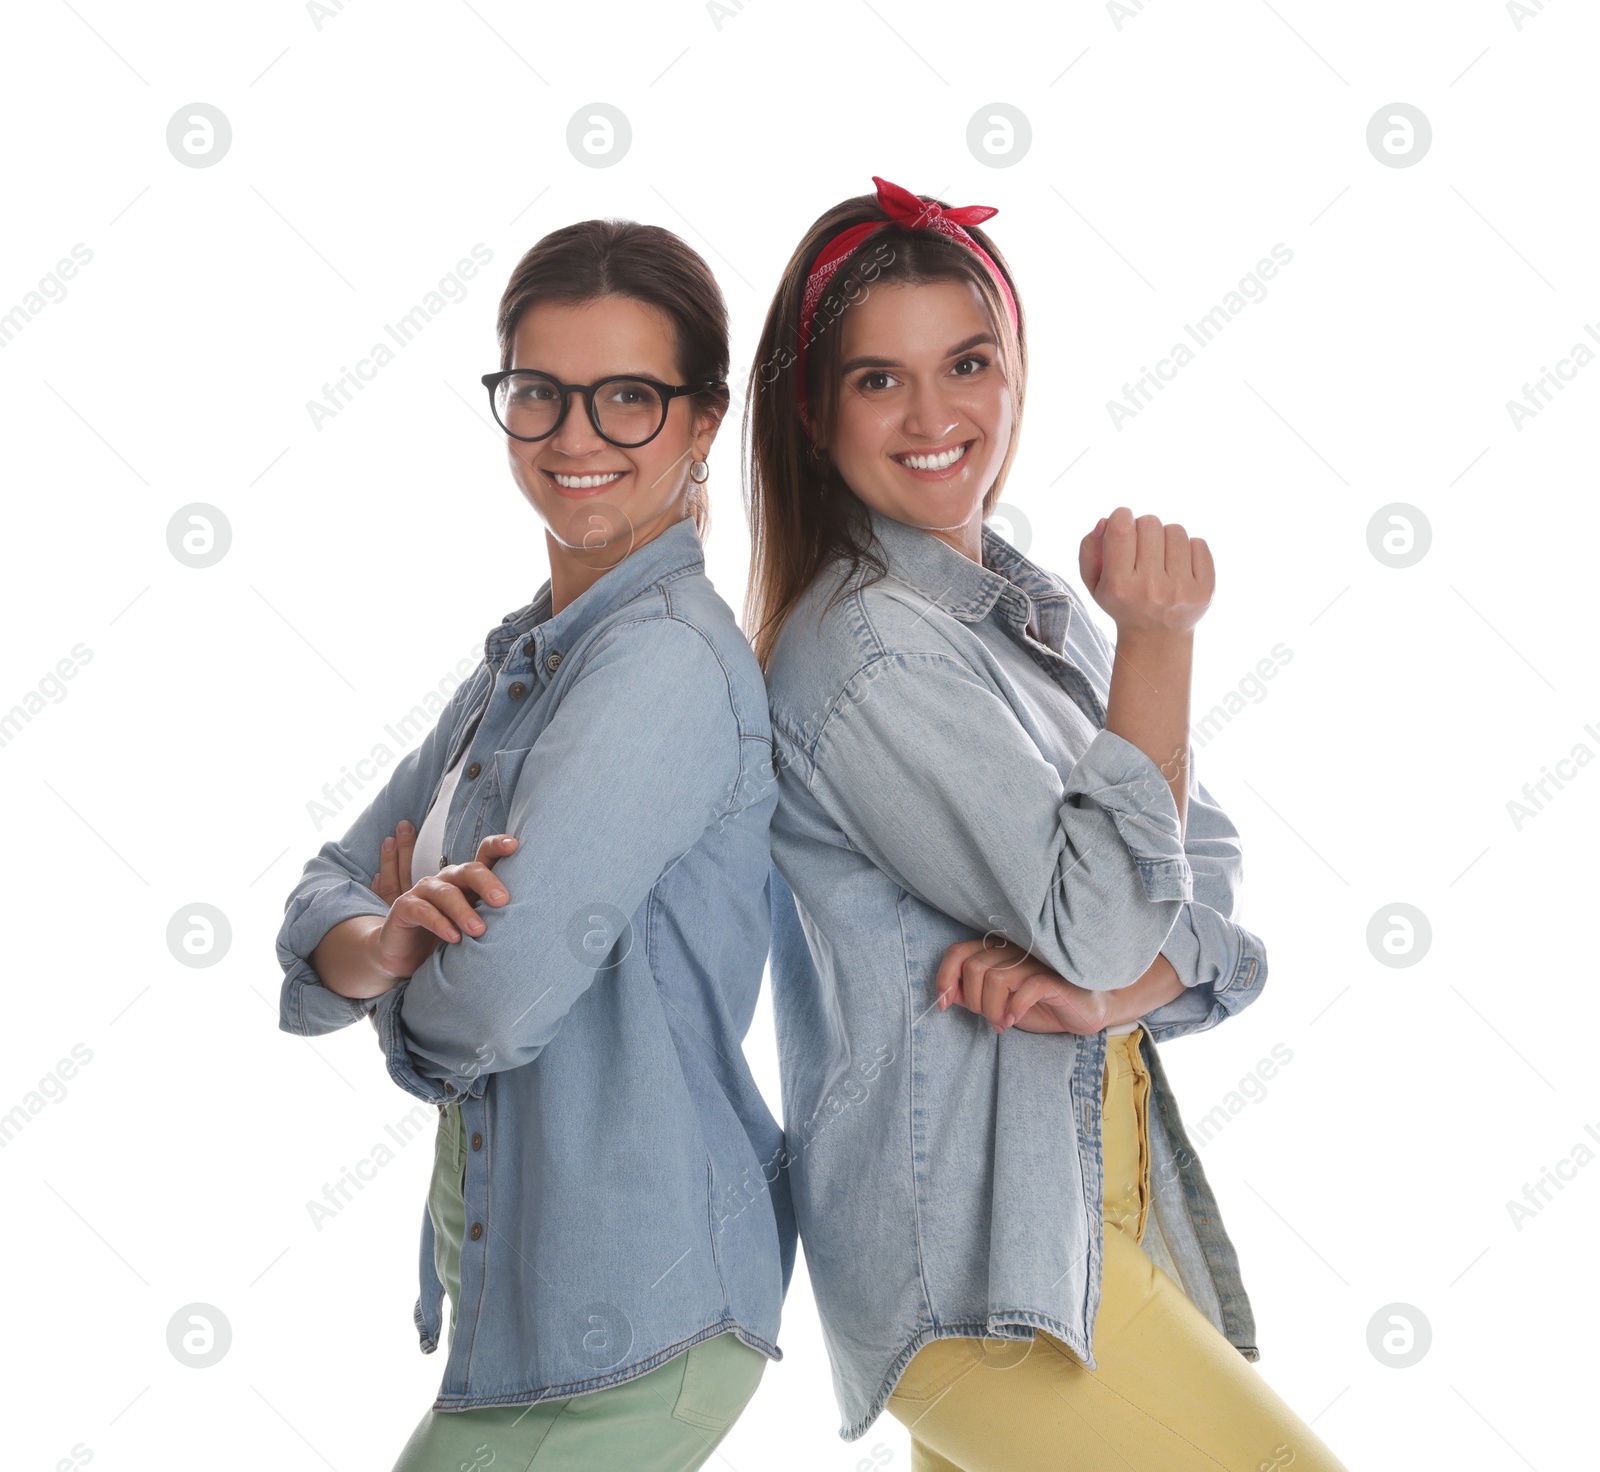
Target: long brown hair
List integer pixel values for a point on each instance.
(802, 514)
(596, 258)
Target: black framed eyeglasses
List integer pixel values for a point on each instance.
(625, 409)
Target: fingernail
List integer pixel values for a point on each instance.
(387, 843)
(497, 894)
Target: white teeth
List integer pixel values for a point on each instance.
(933, 462)
(585, 482)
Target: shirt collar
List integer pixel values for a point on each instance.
(963, 588)
(668, 554)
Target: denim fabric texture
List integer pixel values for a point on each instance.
(624, 1192)
(944, 773)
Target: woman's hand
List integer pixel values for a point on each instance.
(1011, 988)
(1152, 579)
(393, 878)
(434, 908)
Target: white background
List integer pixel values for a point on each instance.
(1170, 151)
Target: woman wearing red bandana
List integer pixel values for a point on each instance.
(997, 886)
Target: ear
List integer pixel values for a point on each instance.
(708, 420)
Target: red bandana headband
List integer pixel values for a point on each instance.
(903, 208)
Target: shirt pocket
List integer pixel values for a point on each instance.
(505, 772)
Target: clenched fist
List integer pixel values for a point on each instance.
(1152, 579)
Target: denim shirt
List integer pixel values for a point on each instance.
(947, 1179)
(624, 1197)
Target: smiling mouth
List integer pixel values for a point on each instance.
(933, 460)
(585, 482)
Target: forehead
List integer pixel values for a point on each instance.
(583, 341)
(908, 320)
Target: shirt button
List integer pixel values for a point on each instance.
(531, 648)
(473, 770)
(517, 690)
(553, 663)
(477, 1140)
(477, 1231)
(449, 1088)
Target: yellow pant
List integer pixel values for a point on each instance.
(1170, 1394)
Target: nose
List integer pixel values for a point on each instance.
(929, 415)
(575, 435)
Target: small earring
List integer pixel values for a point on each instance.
(699, 472)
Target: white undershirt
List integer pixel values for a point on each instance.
(428, 854)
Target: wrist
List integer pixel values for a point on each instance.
(380, 978)
(358, 973)
(1153, 641)
(1158, 986)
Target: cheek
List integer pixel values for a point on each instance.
(993, 414)
(657, 467)
(664, 462)
(997, 408)
(860, 432)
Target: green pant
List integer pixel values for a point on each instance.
(667, 1420)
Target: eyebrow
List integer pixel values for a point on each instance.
(625, 373)
(960, 347)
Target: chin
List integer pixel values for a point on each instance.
(943, 508)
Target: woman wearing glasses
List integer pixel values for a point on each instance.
(1003, 888)
(567, 919)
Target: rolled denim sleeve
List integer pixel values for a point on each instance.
(929, 773)
(1119, 779)
(336, 884)
(643, 754)
(305, 1006)
(1222, 965)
